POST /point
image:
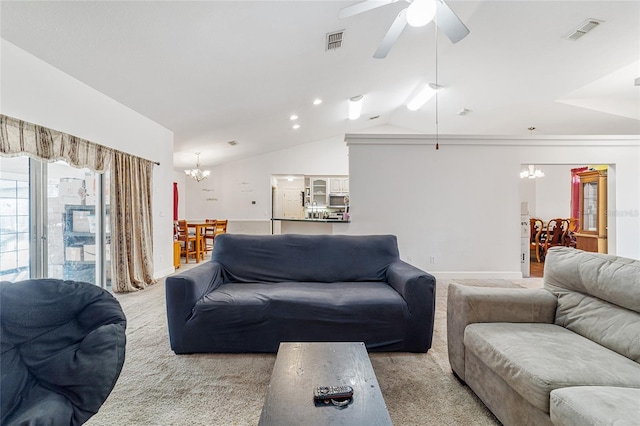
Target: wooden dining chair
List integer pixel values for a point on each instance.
(188, 241)
(536, 227)
(209, 234)
(570, 233)
(556, 230)
(221, 226)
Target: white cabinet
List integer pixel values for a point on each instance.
(339, 185)
(319, 190)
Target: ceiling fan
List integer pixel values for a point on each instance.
(417, 14)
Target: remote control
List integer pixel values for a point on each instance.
(322, 393)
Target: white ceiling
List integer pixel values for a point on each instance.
(217, 71)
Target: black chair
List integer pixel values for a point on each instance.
(62, 347)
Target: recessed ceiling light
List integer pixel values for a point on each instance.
(293, 117)
(296, 126)
(317, 101)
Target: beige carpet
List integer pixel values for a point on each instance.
(157, 387)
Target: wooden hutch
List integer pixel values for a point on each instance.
(592, 234)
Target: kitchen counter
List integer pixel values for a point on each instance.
(311, 220)
(308, 226)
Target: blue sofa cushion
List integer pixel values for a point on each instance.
(302, 311)
(320, 258)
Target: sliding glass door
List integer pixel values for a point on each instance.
(14, 219)
(53, 222)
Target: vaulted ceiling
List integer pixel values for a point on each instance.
(221, 71)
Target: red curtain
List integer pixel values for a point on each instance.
(575, 191)
(175, 201)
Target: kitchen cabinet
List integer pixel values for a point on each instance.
(319, 190)
(339, 185)
(592, 234)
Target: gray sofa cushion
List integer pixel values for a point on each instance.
(595, 406)
(535, 359)
(611, 278)
(598, 297)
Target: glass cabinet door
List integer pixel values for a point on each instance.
(319, 191)
(590, 206)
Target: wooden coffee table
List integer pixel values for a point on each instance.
(300, 367)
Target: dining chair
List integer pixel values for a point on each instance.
(189, 241)
(570, 234)
(556, 229)
(221, 226)
(536, 228)
(209, 234)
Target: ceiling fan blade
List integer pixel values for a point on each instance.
(392, 35)
(449, 22)
(363, 6)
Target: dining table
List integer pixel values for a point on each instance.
(199, 230)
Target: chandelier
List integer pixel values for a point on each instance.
(196, 173)
(531, 172)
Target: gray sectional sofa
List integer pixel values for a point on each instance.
(567, 354)
(260, 290)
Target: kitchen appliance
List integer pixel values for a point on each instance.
(337, 200)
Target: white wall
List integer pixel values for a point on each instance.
(548, 197)
(459, 206)
(34, 91)
(553, 191)
(232, 187)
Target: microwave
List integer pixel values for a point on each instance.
(337, 200)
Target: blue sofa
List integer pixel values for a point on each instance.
(260, 290)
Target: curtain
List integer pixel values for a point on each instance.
(131, 222)
(19, 137)
(131, 189)
(175, 201)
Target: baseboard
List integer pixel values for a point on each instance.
(489, 275)
(164, 272)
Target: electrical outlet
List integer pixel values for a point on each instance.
(432, 259)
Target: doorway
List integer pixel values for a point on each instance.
(553, 196)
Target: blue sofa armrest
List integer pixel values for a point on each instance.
(183, 291)
(418, 289)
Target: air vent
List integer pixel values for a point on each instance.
(583, 28)
(334, 40)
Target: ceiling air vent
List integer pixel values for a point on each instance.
(583, 28)
(334, 40)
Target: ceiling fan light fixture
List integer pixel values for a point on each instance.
(421, 98)
(421, 12)
(355, 107)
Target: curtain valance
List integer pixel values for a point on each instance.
(18, 137)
